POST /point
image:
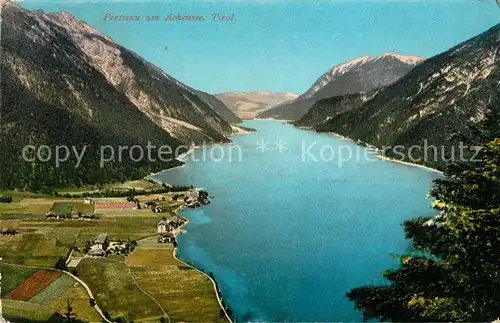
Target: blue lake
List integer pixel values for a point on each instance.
(291, 227)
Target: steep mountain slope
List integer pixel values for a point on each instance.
(441, 102)
(248, 104)
(64, 83)
(325, 109)
(175, 107)
(219, 107)
(358, 75)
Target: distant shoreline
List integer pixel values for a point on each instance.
(238, 131)
(214, 283)
(179, 158)
(409, 164)
(371, 148)
(271, 119)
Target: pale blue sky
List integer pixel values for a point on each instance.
(280, 46)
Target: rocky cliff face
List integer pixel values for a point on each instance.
(64, 83)
(442, 101)
(175, 107)
(248, 104)
(362, 74)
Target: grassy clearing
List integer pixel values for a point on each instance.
(184, 293)
(17, 311)
(77, 190)
(114, 289)
(140, 184)
(14, 276)
(50, 293)
(79, 301)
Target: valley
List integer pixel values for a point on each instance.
(45, 241)
(249, 105)
(112, 210)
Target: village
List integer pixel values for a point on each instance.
(167, 229)
(103, 242)
(102, 245)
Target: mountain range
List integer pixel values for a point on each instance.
(364, 73)
(247, 105)
(65, 83)
(444, 101)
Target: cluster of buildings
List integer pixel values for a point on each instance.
(54, 216)
(102, 246)
(68, 215)
(99, 245)
(166, 228)
(195, 198)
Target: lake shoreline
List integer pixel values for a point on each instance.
(180, 230)
(178, 211)
(233, 288)
(372, 148)
(382, 157)
(174, 253)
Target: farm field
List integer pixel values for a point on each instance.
(115, 290)
(18, 311)
(23, 208)
(83, 208)
(113, 204)
(53, 291)
(33, 249)
(69, 207)
(43, 242)
(79, 301)
(31, 286)
(141, 184)
(63, 233)
(125, 213)
(185, 294)
(13, 276)
(62, 208)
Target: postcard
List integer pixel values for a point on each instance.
(250, 161)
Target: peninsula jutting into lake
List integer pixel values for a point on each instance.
(275, 162)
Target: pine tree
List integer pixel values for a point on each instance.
(69, 314)
(457, 275)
